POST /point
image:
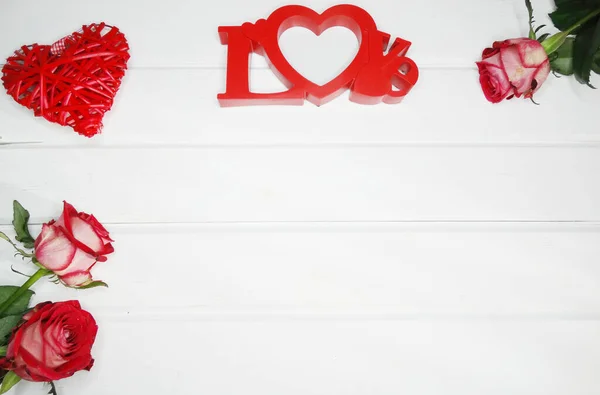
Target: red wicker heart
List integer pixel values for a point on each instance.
(72, 82)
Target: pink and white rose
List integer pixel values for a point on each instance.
(516, 67)
(71, 246)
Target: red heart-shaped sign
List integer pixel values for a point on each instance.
(348, 16)
(72, 82)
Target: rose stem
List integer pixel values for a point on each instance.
(19, 292)
(553, 43)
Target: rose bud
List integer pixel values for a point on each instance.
(53, 341)
(72, 245)
(516, 67)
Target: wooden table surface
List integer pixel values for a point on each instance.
(442, 246)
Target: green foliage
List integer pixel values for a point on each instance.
(20, 305)
(534, 31)
(585, 48)
(8, 382)
(20, 221)
(94, 284)
(565, 17)
(562, 60)
(543, 37)
(596, 63)
(580, 19)
(6, 326)
(530, 11)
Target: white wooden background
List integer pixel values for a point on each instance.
(443, 246)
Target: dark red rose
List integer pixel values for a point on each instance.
(516, 67)
(53, 342)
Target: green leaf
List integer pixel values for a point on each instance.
(6, 326)
(94, 284)
(596, 63)
(577, 3)
(585, 47)
(9, 381)
(562, 59)
(20, 220)
(543, 37)
(569, 12)
(560, 3)
(20, 305)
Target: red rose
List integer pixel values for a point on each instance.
(516, 67)
(72, 245)
(53, 342)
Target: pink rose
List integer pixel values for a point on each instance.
(53, 341)
(516, 67)
(72, 245)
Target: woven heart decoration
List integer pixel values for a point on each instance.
(72, 82)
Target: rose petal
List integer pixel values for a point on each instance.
(33, 341)
(36, 369)
(532, 53)
(81, 262)
(76, 279)
(489, 52)
(514, 41)
(85, 233)
(64, 221)
(52, 359)
(542, 74)
(53, 249)
(493, 80)
(98, 227)
(519, 76)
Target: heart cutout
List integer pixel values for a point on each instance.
(72, 82)
(346, 16)
(321, 58)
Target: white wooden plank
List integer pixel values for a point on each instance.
(410, 271)
(306, 184)
(324, 358)
(184, 32)
(447, 107)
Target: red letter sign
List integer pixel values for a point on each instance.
(376, 74)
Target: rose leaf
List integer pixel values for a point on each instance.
(20, 220)
(585, 47)
(596, 63)
(6, 326)
(570, 12)
(562, 59)
(20, 305)
(9, 381)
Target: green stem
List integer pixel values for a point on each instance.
(3, 350)
(530, 12)
(553, 43)
(20, 251)
(19, 292)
